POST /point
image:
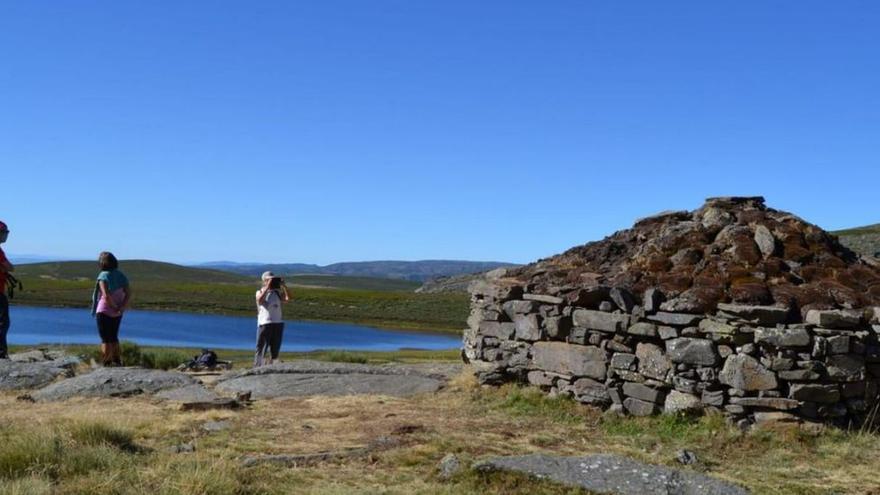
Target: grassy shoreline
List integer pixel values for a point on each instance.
(244, 357)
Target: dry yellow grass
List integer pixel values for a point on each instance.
(464, 419)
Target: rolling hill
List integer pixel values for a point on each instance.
(417, 271)
(142, 270)
(863, 240)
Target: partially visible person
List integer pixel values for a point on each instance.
(5, 268)
(109, 300)
(270, 320)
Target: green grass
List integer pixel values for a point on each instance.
(356, 283)
(159, 357)
(868, 229)
(64, 451)
(532, 402)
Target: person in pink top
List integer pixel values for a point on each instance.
(110, 299)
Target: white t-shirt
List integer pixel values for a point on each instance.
(270, 310)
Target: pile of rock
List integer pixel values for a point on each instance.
(661, 349)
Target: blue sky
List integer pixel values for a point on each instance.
(494, 130)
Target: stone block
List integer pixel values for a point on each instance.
(643, 392)
(518, 307)
(578, 335)
(676, 319)
(845, 367)
(501, 330)
(666, 332)
(680, 402)
(622, 361)
(838, 344)
(709, 325)
(543, 298)
(638, 407)
(691, 351)
(557, 327)
(759, 315)
(622, 298)
(497, 291)
(684, 385)
(528, 328)
(713, 398)
(837, 318)
(615, 346)
(768, 418)
(782, 337)
(798, 375)
(814, 392)
(643, 329)
(568, 359)
(766, 402)
(652, 299)
(597, 320)
(540, 378)
(745, 372)
(653, 363)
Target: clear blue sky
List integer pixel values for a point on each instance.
(358, 130)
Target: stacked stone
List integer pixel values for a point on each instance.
(607, 347)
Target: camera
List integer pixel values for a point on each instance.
(275, 282)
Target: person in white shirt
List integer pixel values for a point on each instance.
(270, 321)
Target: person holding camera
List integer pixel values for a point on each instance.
(270, 321)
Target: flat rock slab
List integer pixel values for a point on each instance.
(189, 393)
(303, 378)
(609, 474)
(114, 382)
(26, 375)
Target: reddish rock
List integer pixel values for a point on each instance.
(711, 256)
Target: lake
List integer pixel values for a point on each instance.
(33, 325)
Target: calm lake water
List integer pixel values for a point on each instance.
(32, 325)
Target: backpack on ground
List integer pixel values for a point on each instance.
(207, 359)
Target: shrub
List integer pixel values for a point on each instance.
(345, 357)
(134, 355)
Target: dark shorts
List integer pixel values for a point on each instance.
(4, 323)
(108, 328)
(268, 339)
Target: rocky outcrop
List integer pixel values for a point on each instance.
(114, 382)
(611, 474)
(35, 369)
(302, 378)
(734, 307)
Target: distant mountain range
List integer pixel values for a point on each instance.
(418, 271)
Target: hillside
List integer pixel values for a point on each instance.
(418, 271)
(141, 270)
(863, 240)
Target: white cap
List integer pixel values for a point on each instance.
(267, 276)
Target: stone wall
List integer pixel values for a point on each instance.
(610, 348)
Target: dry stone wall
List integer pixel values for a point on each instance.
(614, 349)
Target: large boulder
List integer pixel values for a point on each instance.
(569, 359)
(611, 474)
(304, 378)
(744, 372)
(114, 382)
